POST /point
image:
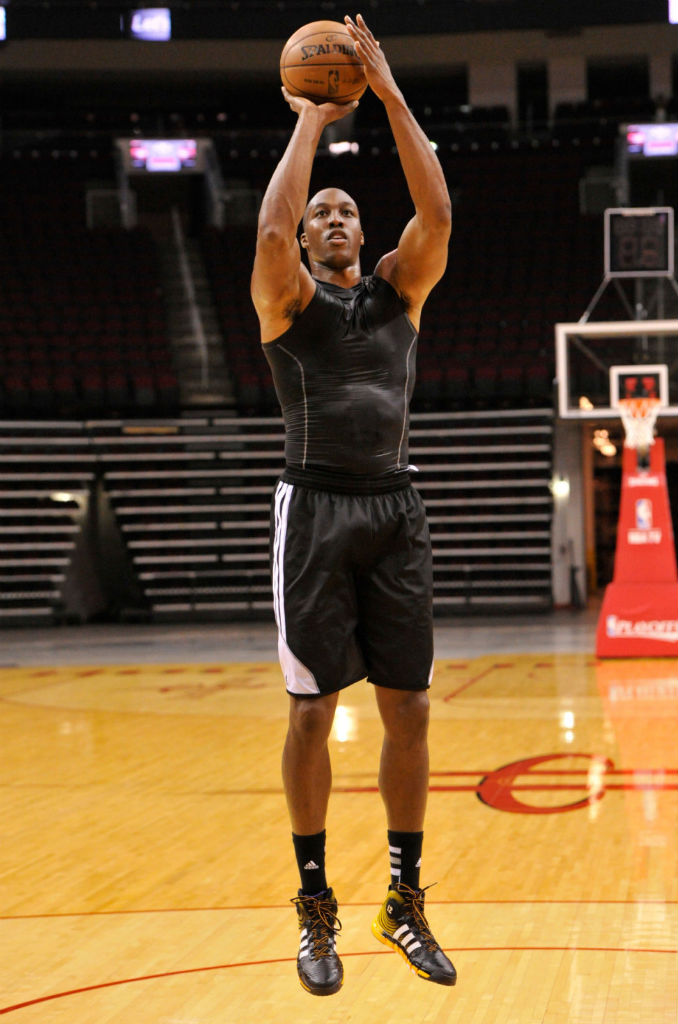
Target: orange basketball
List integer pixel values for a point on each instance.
(319, 62)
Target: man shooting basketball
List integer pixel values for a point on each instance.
(351, 557)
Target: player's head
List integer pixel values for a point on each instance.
(331, 231)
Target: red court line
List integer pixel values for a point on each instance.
(649, 901)
(566, 771)
(643, 779)
(627, 787)
(282, 960)
(476, 679)
(282, 906)
(131, 981)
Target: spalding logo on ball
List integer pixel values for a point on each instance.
(319, 62)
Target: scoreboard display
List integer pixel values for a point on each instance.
(639, 242)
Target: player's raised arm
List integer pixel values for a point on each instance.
(420, 259)
(281, 285)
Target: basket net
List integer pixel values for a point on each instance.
(639, 416)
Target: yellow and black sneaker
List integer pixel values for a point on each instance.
(402, 925)
(318, 966)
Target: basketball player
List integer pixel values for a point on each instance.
(351, 558)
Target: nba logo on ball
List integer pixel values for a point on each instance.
(643, 514)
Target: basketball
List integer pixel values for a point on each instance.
(319, 62)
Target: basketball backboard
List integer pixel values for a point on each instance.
(596, 363)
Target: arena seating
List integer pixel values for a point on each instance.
(82, 321)
(82, 327)
(181, 527)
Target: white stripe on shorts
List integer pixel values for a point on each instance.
(298, 679)
(283, 493)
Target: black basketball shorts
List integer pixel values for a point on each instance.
(352, 589)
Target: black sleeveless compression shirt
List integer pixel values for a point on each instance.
(344, 375)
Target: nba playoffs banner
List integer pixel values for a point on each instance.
(638, 620)
(639, 616)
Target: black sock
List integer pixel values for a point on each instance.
(310, 852)
(405, 852)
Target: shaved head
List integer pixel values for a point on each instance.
(326, 195)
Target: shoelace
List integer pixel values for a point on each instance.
(322, 922)
(414, 903)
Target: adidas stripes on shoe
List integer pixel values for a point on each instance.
(318, 966)
(401, 924)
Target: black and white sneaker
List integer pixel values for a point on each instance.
(318, 966)
(402, 925)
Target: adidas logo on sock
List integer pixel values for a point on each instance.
(311, 866)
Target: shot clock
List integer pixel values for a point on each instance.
(639, 242)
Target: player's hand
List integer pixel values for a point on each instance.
(377, 71)
(327, 111)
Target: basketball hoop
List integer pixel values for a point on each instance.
(639, 416)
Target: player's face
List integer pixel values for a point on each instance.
(332, 233)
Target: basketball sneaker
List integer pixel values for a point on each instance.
(318, 966)
(402, 925)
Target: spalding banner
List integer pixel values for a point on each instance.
(639, 616)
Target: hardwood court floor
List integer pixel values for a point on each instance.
(146, 866)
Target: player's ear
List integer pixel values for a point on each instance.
(303, 240)
(362, 238)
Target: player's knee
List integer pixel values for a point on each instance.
(406, 716)
(311, 719)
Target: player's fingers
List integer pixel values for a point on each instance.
(368, 31)
(359, 28)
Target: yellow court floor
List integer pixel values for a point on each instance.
(146, 864)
